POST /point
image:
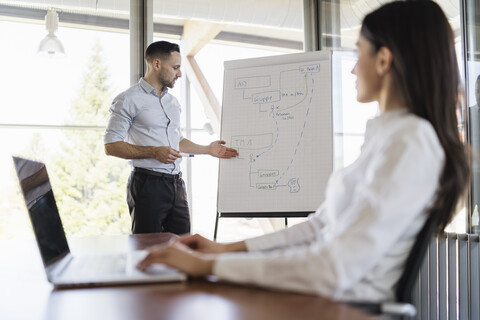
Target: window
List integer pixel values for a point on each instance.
(55, 110)
(243, 32)
(472, 84)
(340, 26)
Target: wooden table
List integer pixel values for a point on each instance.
(26, 294)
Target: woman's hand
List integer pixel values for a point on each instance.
(178, 256)
(200, 244)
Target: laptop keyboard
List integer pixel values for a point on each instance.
(96, 265)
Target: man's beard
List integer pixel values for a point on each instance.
(169, 84)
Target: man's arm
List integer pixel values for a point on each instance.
(215, 149)
(126, 150)
(188, 146)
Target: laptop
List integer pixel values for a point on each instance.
(64, 269)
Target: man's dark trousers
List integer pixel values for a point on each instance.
(157, 202)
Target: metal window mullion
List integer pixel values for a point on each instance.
(442, 276)
(452, 275)
(474, 277)
(424, 301)
(188, 135)
(432, 278)
(463, 300)
(311, 23)
(416, 297)
(50, 126)
(141, 35)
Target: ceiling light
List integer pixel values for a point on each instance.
(50, 45)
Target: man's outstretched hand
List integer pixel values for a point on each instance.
(219, 150)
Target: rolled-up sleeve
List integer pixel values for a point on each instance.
(120, 121)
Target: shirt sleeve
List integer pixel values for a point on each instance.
(394, 192)
(315, 228)
(180, 135)
(121, 118)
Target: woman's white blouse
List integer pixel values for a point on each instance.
(355, 245)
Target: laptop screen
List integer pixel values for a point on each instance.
(42, 209)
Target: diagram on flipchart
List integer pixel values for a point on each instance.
(278, 117)
(288, 108)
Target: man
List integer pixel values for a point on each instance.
(144, 126)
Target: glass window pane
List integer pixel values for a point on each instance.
(245, 34)
(57, 110)
(54, 85)
(343, 20)
(89, 187)
(472, 62)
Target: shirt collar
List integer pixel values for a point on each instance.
(388, 116)
(375, 124)
(148, 87)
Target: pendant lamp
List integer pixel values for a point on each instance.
(50, 45)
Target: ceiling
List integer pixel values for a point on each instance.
(267, 22)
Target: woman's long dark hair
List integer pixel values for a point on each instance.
(425, 71)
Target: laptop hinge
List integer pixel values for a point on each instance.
(56, 268)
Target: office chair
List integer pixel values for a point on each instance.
(403, 308)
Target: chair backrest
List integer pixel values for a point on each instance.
(404, 286)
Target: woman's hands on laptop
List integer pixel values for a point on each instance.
(178, 256)
(201, 244)
(192, 254)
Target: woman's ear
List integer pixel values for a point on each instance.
(384, 61)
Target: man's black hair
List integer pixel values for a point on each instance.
(160, 50)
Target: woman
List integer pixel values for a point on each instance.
(412, 165)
